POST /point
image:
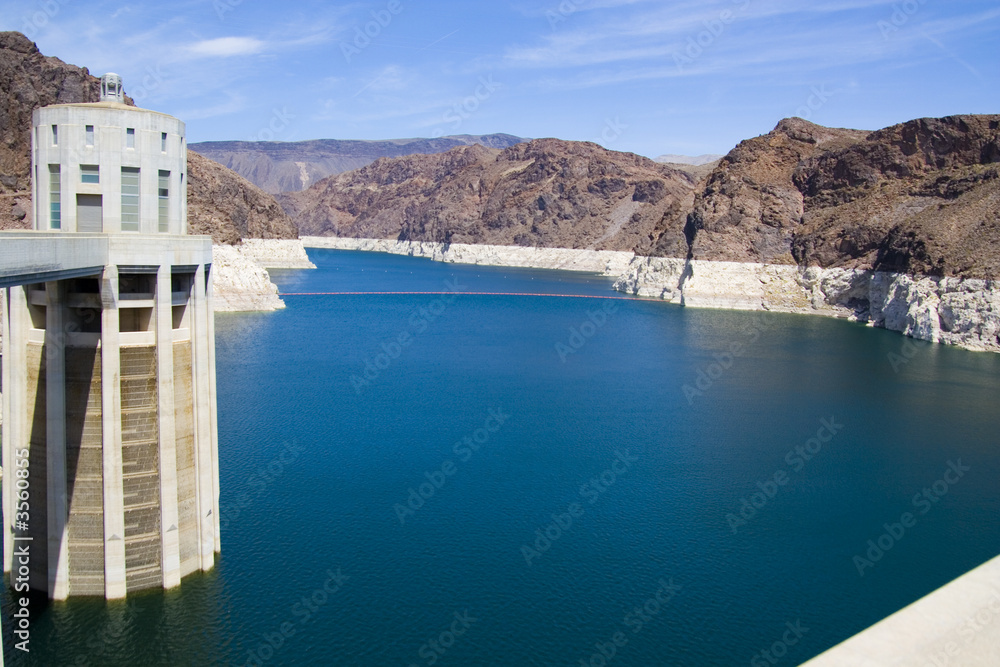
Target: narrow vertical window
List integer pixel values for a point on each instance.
(55, 135)
(130, 137)
(163, 191)
(89, 132)
(130, 199)
(90, 173)
(55, 200)
(163, 142)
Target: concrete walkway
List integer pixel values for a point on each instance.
(957, 625)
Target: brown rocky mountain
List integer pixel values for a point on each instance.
(220, 202)
(546, 192)
(922, 197)
(749, 207)
(230, 208)
(290, 166)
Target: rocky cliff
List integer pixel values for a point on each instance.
(290, 166)
(546, 193)
(920, 197)
(229, 208)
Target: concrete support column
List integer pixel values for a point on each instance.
(111, 416)
(55, 440)
(205, 494)
(212, 403)
(169, 530)
(16, 427)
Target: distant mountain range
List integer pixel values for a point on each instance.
(694, 161)
(277, 166)
(921, 197)
(546, 193)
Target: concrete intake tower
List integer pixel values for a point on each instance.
(110, 448)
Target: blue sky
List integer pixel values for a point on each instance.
(647, 76)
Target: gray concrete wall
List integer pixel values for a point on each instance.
(957, 625)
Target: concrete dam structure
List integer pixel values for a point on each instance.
(110, 447)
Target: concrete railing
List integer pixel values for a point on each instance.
(958, 625)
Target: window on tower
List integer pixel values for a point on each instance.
(55, 201)
(90, 173)
(130, 199)
(163, 189)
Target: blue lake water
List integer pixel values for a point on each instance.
(535, 480)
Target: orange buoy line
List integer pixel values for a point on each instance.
(570, 296)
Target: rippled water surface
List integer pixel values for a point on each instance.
(524, 480)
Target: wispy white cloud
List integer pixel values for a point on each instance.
(687, 40)
(225, 47)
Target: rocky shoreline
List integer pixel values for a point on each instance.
(277, 253)
(607, 262)
(955, 311)
(240, 280)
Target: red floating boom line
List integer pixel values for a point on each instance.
(566, 296)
